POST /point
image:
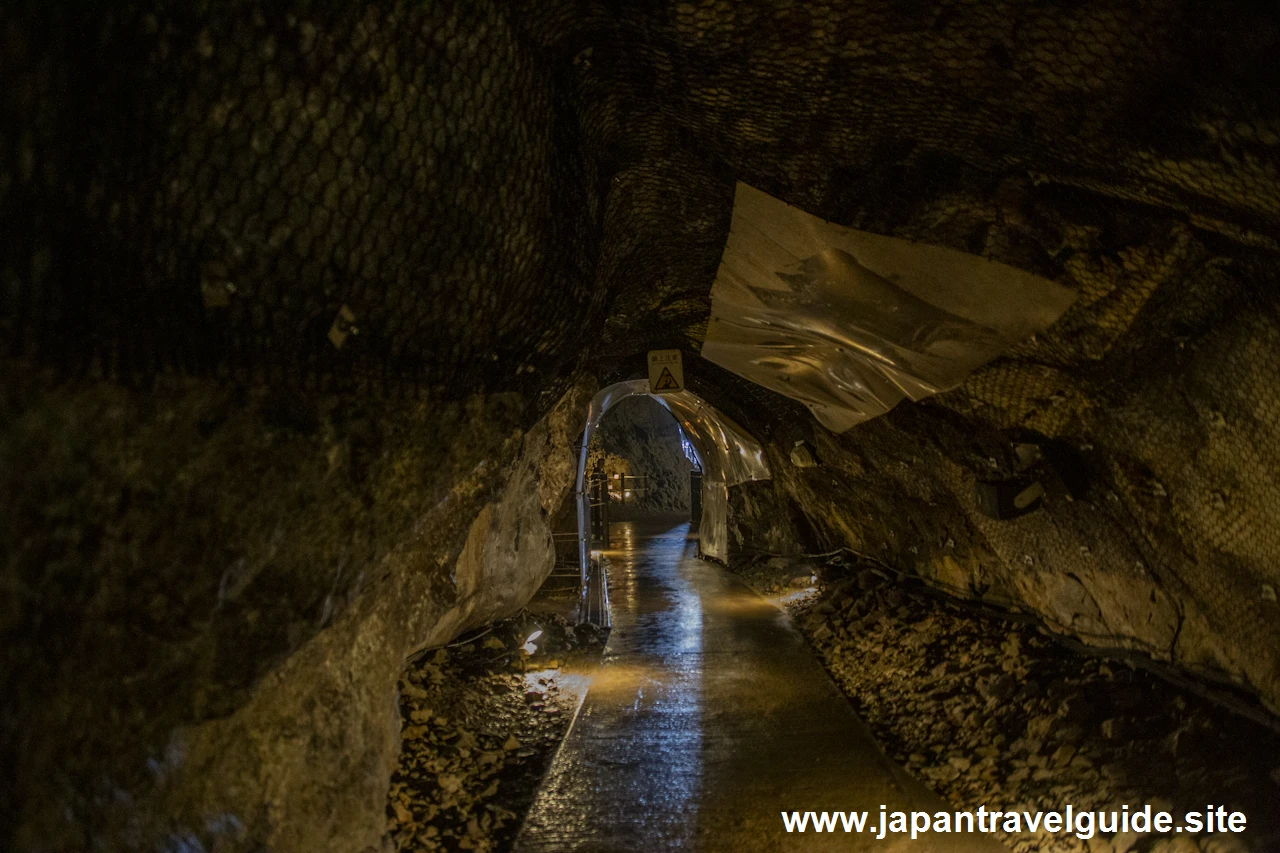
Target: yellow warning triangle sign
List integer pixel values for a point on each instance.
(666, 382)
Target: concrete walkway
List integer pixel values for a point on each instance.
(708, 717)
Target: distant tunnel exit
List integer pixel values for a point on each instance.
(726, 454)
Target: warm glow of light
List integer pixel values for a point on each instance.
(626, 677)
(573, 684)
(791, 597)
(735, 602)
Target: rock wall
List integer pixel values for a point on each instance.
(277, 330)
(258, 257)
(216, 592)
(1144, 542)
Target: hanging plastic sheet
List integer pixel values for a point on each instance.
(851, 323)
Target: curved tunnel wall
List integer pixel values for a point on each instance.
(729, 455)
(461, 184)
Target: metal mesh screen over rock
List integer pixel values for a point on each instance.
(206, 186)
(449, 196)
(381, 192)
(452, 198)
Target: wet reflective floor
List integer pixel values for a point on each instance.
(708, 717)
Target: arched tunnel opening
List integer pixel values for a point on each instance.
(722, 453)
(942, 343)
(647, 461)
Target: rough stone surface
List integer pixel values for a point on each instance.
(248, 698)
(268, 251)
(1095, 562)
(480, 723)
(989, 711)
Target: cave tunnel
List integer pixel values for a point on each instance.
(969, 314)
(725, 456)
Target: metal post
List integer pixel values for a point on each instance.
(604, 512)
(599, 509)
(695, 497)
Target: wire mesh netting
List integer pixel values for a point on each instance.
(400, 196)
(464, 196)
(380, 193)
(460, 196)
(440, 192)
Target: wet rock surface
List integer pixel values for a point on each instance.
(480, 722)
(236, 575)
(493, 194)
(988, 711)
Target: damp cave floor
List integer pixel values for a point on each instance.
(708, 716)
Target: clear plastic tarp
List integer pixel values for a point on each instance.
(726, 450)
(851, 323)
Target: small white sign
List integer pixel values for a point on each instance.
(666, 371)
